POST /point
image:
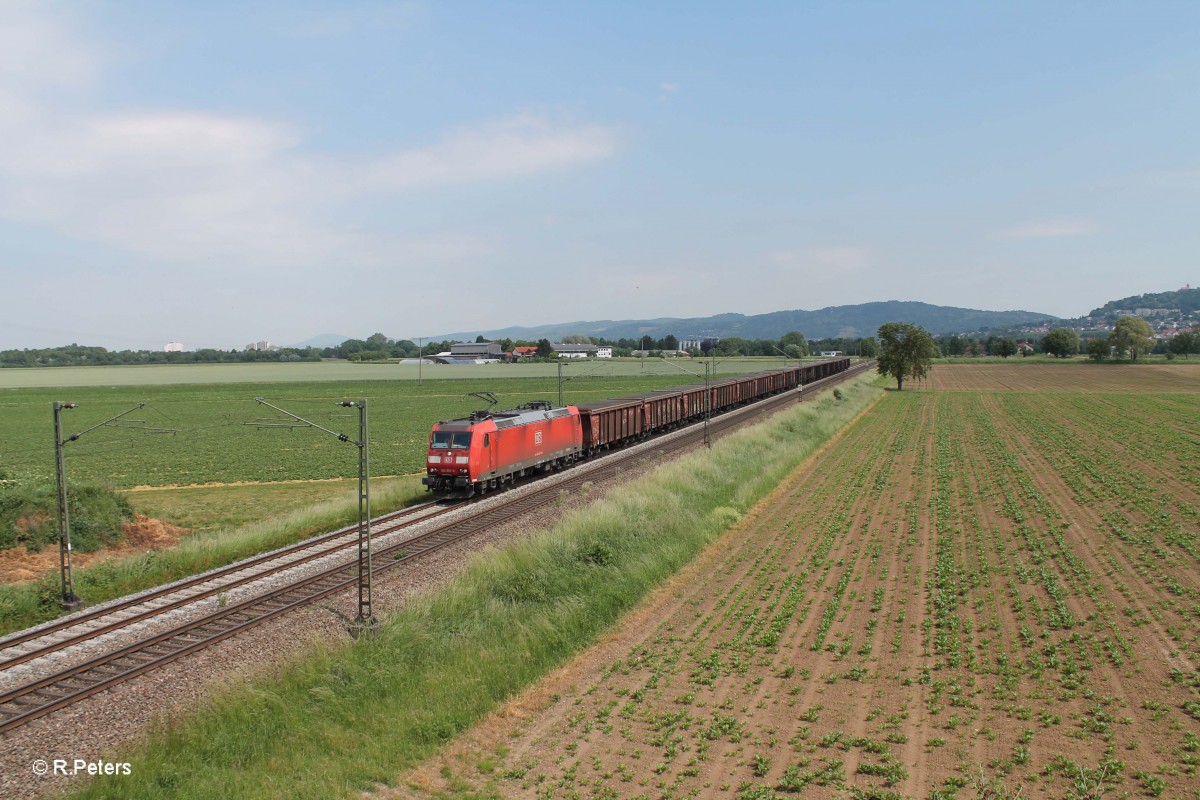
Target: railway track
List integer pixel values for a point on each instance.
(47, 639)
(36, 698)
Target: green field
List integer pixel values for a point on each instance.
(308, 372)
(339, 722)
(209, 412)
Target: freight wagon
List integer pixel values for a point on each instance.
(489, 450)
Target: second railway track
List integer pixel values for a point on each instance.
(35, 698)
(50, 638)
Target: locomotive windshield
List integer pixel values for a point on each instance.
(453, 440)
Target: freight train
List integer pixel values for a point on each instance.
(491, 449)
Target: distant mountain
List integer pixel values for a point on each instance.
(1187, 300)
(324, 340)
(832, 322)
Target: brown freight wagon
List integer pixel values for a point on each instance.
(726, 394)
(663, 409)
(693, 401)
(607, 423)
(823, 369)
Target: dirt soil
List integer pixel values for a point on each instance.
(962, 597)
(1076, 376)
(141, 535)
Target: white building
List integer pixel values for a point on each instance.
(582, 351)
(172, 347)
(577, 350)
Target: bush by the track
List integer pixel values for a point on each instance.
(338, 723)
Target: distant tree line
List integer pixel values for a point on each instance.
(378, 347)
(1130, 338)
(74, 355)
(1127, 340)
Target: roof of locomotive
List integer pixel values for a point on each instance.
(507, 419)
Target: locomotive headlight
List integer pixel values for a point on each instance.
(461, 460)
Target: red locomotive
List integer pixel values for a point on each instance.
(488, 450)
(491, 449)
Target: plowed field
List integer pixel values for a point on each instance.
(1074, 377)
(968, 594)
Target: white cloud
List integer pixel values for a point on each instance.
(39, 51)
(140, 142)
(1051, 229)
(519, 145)
(187, 184)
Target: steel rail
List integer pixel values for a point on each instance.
(30, 701)
(40, 697)
(199, 580)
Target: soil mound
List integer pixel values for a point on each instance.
(142, 534)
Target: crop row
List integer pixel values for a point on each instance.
(962, 597)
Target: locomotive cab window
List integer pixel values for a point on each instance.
(451, 440)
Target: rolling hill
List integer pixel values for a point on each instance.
(835, 321)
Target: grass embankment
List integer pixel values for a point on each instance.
(229, 506)
(336, 723)
(27, 604)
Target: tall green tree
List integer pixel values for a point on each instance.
(732, 346)
(1098, 348)
(1183, 343)
(953, 346)
(794, 338)
(905, 351)
(544, 350)
(1061, 343)
(1005, 347)
(1132, 335)
(867, 348)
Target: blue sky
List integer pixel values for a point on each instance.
(218, 173)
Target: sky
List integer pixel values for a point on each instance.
(220, 173)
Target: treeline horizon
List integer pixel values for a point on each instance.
(378, 347)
